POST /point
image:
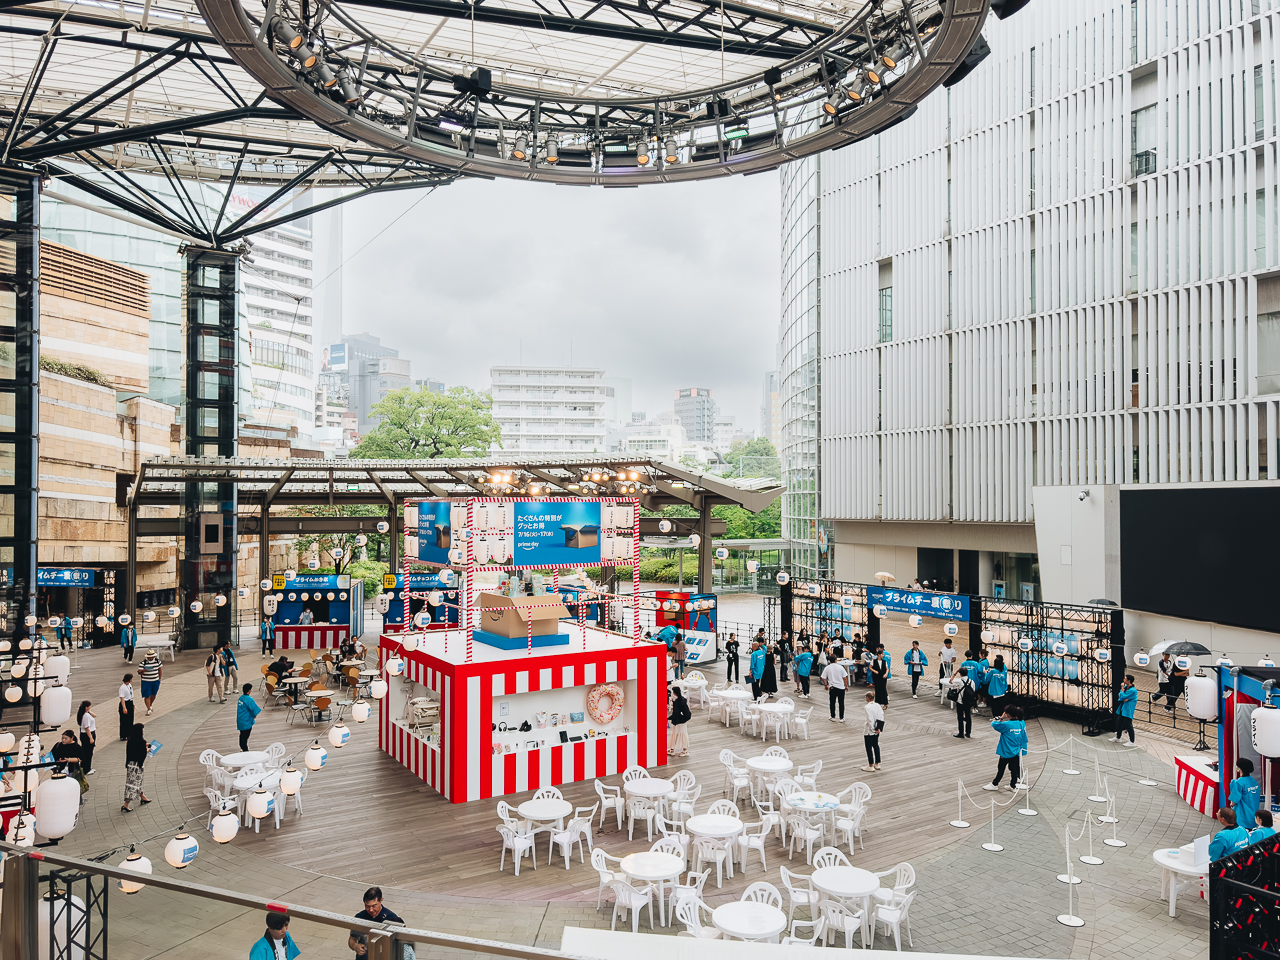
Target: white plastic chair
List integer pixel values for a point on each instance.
(776, 751)
(640, 808)
(771, 816)
(904, 878)
(851, 827)
(689, 912)
(800, 892)
(691, 889)
(674, 830)
(634, 773)
(576, 831)
(217, 803)
(752, 837)
(819, 929)
(776, 721)
(715, 705)
(858, 794)
(706, 850)
(763, 892)
(548, 793)
(724, 808)
(748, 713)
(842, 918)
(682, 805)
(507, 814)
(683, 782)
(275, 755)
(626, 897)
(210, 760)
(803, 834)
(601, 861)
(519, 844)
(807, 775)
(610, 798)
(671, 845)
(830, 857)
(894, 918)
(800, 721)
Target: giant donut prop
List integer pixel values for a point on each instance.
(595, 702)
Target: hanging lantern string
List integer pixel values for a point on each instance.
(108, 854)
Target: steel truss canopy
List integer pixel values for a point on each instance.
(162, 481)
(614, 92)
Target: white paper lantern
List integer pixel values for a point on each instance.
(290, 781)
(13, 693)
(383, 526)
(694, 539)
(57, 805)
(783, 578)
(269, 606)
(753, 566)
(360, 711)
(242, 593)
(952, 630)
(378, 688)
(294, 596)
(173, 611)
(196, 606)
(55, 622)
(435, 598)
(138, 864)
(1182, 662)
(100, 622)
(446, 577)
(664, 526)
(382, 602)
(1223, 661)
(24, 643)
(846, 603)
(339, 735)
(124, 619)
(181, 850)
(22, 829)
(880, 610)
(1141, 658)
(260, 804)
(315, 756)
(313, 564)
(361, 539)
(225, 826)
(280, 597)
(1266, 661)
(30, 620)
(35, 688)
(421, 619)
(5, 646)
(307, 596)
(409, 642)
(29, 744)
(264, 584)
(291, 575)
(688, 606)
(77, 622)
(1202, 697)
(6, 741)
(58, 667)
(342, 596)
(329, 595)
(1025, 644)
(220, 601)
(1059, 648)
(987, 636)
(55, 708)
(395, 666)
(18, 669)
(1102, 655)
(149, 616)
(915, 619)
(57, 915)
(455, 555)
(1266, 730)
(722, 553)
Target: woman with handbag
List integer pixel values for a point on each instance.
(680, 717)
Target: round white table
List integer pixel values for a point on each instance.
(656, 868)
(548, 810)
(849, 883)
(650, 788)
(764, 767)
(1177, 872)
(715, 827)
(696, 686)
(749, 920)
(730, 697)
(269, 781)
(811, 802)
(783, 710)
(234, 761)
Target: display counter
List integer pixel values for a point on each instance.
(314, 636)
(1198, 783)
(512, 721)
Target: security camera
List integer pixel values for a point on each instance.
(1084, 494)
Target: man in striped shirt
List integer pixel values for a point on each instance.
(150, 672)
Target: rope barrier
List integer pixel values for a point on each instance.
(1069, 919)
(993, 846)
(1090, 858)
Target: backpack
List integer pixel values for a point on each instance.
(968, 695)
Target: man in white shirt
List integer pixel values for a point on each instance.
(871, 728)
(835, 679)
(948, 656)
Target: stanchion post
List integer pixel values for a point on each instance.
(1026, 809)
(1069, 877)
(993, 846)
(1097, 782)
(1071, 770)
(1090, 858)
(1069, 919)
(960, 821)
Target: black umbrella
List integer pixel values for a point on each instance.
(1181, 648)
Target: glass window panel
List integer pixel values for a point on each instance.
(8, 464)
(210, 312)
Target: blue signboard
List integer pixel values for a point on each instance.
(66, 577)
(557, 534)
(310, 581)
(435, 534)
(948, 606)
(425, 581)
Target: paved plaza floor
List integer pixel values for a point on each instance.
(367, 821)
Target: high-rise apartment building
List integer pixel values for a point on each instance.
(696, 411)
(1062, 273)
(549, 409)
(369, 370)
(771, 409)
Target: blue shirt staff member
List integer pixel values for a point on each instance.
(1126, 703)
(997, 685)
(1264, 829)
(128, 639)
(1230, 839)
(275, 944)
(267, 634)
(803, 665)
(915, 662)
(732, 671)
(1243, 795)
(1013, 743)
(757, 667)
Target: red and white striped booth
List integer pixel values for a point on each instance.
(1197, 784)
(311, 636)
(548, 682)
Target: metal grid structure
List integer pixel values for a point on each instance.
(827, 611)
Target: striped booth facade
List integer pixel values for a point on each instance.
(307, 637)
(464, 766)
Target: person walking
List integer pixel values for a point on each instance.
(88, 736)
(997, 685)
(1177, 684)
(803, 664)
(275, 944)
(1013, 742)
(1231, 838)
(732, 672)
(835, 678)
(135, 758)
(679, 650)
(964, 696)
(784, 656)
(1164, 681)
(151, 670)
(756, 666)
(915, 662)
(128, 640)
(126, 706)
(769, 679)
(1126, 703)
(267, 634)
(247, 711)
(680, 717)
(229, 667)
(63, 633)
(879, 669)
(212, 678)
(871, 728)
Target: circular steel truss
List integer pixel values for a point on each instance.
(793, 79)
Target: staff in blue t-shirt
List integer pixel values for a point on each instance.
(1126, 703)
(757, 667)
(1243, 795)
(1230, 839)
(1265, 829)
(915, 662)
(802, 664)
(1013, 741)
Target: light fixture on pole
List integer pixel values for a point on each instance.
(671, 152)
(553, 151)
(521, 149)
(642, 152)
(832, 104)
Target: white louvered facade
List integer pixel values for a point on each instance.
(1080, 246)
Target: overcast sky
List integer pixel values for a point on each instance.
(671, 285)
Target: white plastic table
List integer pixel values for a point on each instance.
(699, 686)
(650, 788)
(234, 761)
(655, 868)
(810, 802)
(749, 920)
(849, 883)
(160, 645)
(1176, 872)
(733, 696)
(250, 781)
(764, 767)
(783, 710)
(548, 810)
(717, 826)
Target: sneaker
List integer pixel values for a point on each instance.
(1168, 709)
(833, 719)
(91, 773)
(915, 696)
(958, 736)
(868, 768)
(1130, 743)
(990, 786)
(1113, 739)
(842, 719)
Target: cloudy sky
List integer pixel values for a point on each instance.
(672, 285)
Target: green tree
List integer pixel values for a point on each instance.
(755, 458)
(325, 543)
(423, 425)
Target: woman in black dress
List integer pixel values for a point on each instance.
(880, 677)
(769, 682)
(135, 757)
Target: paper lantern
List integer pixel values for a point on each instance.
(291, 574)
(987, 636)
(395, 666)
(55, 622)
(361, 539)
(688, 606)
(58, 667)
(664, 526)
(753, 566)
(1182, 662)
(77, 622)
(421, 619)
(13, 693)
(6, 741)
(24, 643)
(57, 805)
(181, 850)
(360, 711)
(173, 611)
(846, 603)
(220, 601)
(339, 735)
(290, 781)
(313, 564)
(455, 555)
(294, 596)
(225, 826)
(813, 590)
(269, 606)
(915, 619)
(35, 687)
(951, 630)
(435, 598)
(137, 863)
(446, 577)
(1102, 655)
(1025, 644)
(264, 584)
(315, 756)
(100, 622)
(409, 642)
(378, 688)
(149, 616)
(382, 602)
(30, 620)
(1059, 648)
(1141, 658)
(22, 830)
(329, 595)
(880, 610)
(1223, 661)
(1266, 730)
(694, 539)
(307, 596)
(57, 916)
(29, 743)
(1202, 697)
(342, 596)
(280, 597)
(55, 708)
(260, 804)
(242, 593)
(124, 619)
(18, 669)
(383, 526)
(5, 646)
(783, 578)
(196, 606)
(722, 553)
(1266, 661)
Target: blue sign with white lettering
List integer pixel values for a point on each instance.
(946, 606)
(311, 581)
(557, 534)
(66, 577)
(435, 534)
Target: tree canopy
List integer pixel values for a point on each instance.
(423, 425)
(755, 458)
